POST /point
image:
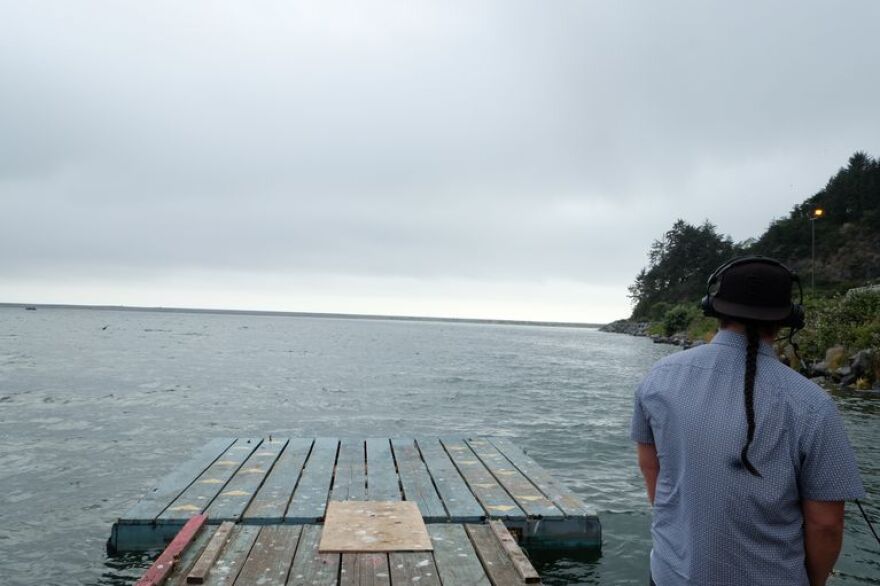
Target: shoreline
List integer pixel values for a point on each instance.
(331, 315)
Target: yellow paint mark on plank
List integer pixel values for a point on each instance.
(211, 481)
(469, 462)
(252, 470)
(528, 498)
(227, 463)
(506, 472)
(234, 493)
(185, 508)
(485, 485)
(502, 508)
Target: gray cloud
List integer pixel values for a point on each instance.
(505, 142)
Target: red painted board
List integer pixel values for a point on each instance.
(163, 565)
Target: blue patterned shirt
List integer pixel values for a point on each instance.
(714, 523)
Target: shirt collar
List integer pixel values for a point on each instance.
(731, 338)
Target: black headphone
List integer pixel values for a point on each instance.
(796, 317)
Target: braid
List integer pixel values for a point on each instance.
(749, 391)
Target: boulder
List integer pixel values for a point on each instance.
(820, 368)
(819, 380)
(835, 357)
(861, 363)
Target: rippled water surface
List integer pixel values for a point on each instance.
(96, 405)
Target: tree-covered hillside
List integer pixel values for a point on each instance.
(847, 244)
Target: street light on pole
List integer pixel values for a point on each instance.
(817, 213)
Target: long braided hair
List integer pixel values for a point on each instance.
(753, 337)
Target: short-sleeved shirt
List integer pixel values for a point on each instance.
(714, 522)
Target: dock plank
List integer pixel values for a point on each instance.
(190, 555)
(458, 499)
(196, 498)
(365, 569)
(350, 479)
(200, 570)
(310, 567)
(173, 485)
(516, 555)
(494, 498)
(413, 568)
(527, 496)
(271, 500)
(309, 501)
(271, 557)
(382, 479)
(493, 556)
(457, 562)
(230, 504)
(229, 564)
(562, 497)
(416, 481)
(164, 564)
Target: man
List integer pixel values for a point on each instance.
(746, 462)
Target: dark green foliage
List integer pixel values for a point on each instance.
(847, 235)
(847, 245)
(678, 319)
(678, 266)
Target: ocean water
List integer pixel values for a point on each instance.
(97, 405)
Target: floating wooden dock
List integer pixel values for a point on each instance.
(280, 482)
(289, 555)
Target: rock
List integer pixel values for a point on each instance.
(625, 326)
(862, 362)
(848, 380)
(844, 371)
(819, 380)
(835, 357)
(820, 368)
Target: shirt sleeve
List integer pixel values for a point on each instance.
(829, 471)
(640, 427)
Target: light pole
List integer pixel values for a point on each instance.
(817, 213)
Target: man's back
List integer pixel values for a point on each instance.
(714, 522)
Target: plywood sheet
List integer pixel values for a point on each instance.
(374, 526)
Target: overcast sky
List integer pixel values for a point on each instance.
(479, 159)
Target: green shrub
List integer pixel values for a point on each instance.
(679, 318)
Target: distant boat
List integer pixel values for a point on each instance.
(30, 308)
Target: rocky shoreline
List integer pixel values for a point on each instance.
(640, 328)
(838, 371)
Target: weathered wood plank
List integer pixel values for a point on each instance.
(495, 561)
(190, 555)
(164, 564)
(491, 495)
(173, 485)
(365, 569)
(230, 562)
(270, 502)
(457, 497)
(415, 568)
(562, 497)
(374, 526)
(416, 481)
(519, 560)
(382, 480)
(241, 488)
(350, 479)
(199, 572)
(457, 562)
(270, 559)
(196, 498)
(310, 498)
(311, 568)
(527, 496)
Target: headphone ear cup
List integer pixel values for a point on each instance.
(706, 306)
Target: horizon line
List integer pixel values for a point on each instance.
(314, 314)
